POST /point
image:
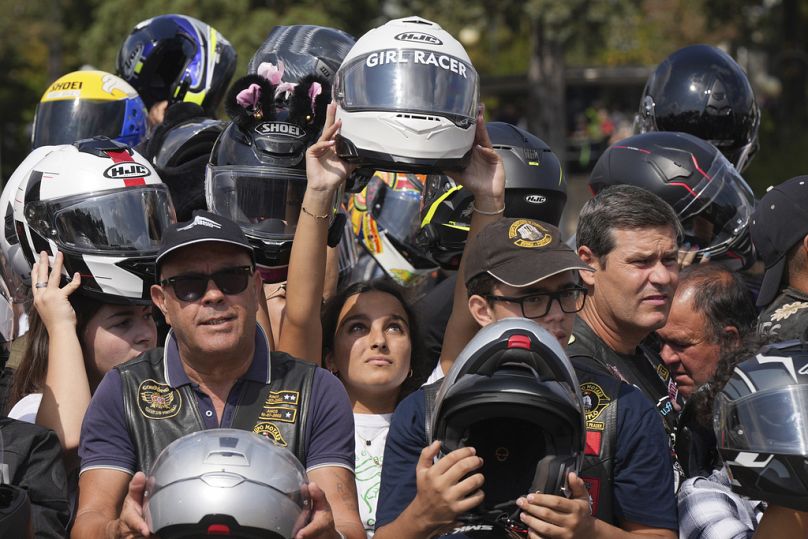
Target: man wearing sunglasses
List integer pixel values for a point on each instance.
(216, 371)
(521, 268)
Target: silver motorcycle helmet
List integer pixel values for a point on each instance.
(226, 482)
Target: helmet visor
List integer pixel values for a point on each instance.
(64, 122)
(397, 208)
(410, 80)
(771, 421)
(264, 201)
(124, 221)
(718, 208)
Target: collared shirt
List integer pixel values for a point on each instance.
(329, 429)
(260, 370)
(709, 509)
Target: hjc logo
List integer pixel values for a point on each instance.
(279, 128)
(418, 37)
(122, 171)
(536, 199)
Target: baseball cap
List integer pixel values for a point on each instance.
(520, 252)
(203, 227)
(779, 222)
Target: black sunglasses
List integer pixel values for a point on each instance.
(192, 286)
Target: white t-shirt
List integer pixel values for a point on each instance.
(370, 436)
(26, 408)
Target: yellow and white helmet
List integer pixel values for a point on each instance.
(85, 104)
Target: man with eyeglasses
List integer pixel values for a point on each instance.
(216, 371)
(521, 268)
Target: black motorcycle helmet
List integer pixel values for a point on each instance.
(304, 49)
(761, 423)
(512, 394)
(257, 170)
(535, 188)
(177, 58)
(179, 148)
(701, 90)
(709, 196)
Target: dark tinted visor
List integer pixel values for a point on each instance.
(64, 122)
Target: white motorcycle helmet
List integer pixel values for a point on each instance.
(407, 96)
(102, 205)
(226, 482)
(15, 269)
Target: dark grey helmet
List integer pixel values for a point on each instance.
(761, 423)
(513, 395)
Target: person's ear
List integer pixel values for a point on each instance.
(158, 297)
(732, 333)
(481, 310)
(588, 257)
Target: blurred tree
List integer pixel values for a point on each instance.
(38, 46)
(775, 29)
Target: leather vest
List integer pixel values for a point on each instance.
(157, 413)
(600, 394)
(644, 370)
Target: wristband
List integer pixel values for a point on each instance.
(481, 212)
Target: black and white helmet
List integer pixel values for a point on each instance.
(513, 395)
(226, 483)
(103, 206)
(407, 96)
(15, 269)
(761, 423)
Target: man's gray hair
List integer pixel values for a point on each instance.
(622, 207)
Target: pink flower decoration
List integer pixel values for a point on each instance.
(314, 90)
(284, 89)
(272, 73)
(249, 97)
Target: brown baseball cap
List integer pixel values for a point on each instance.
(520, 252)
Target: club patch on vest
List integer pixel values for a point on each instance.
(595, 401)
(281, 406)
(529, 234)
(283, 397)
(158, 401)
(270, 431)
(593, 487)
(287, 415)
(787, 310)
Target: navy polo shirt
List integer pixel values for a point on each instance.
(329, 429)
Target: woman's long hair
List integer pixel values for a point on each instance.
(419, 363)
(29, 377)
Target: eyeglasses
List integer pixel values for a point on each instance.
(571, 300)
(192, 286)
